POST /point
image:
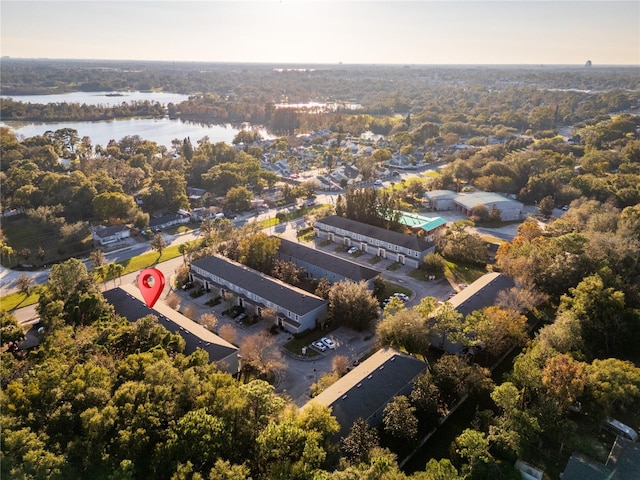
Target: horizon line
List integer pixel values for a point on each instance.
(581, 65)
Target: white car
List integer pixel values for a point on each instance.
(401, 296)
(328, 342)
(319, 345)
(352, 250)
(378, 183)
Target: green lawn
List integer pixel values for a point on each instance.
(23, 233)
(17, 300)
(460, 273)
(295, 345)
(391, 288)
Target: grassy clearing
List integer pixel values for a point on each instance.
(391, 288)
(148, 259)
(23, 233)
(295, 345)
(460, 273)
(18, 300)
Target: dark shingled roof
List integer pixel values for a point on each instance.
(293, 299)
(481, 293)
(103, 232)
(623, 464)
(331, 263)
(370, 386)
(130, 307)
(412, 242)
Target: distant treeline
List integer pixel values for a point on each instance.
(57, 112)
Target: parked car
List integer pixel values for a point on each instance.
(328, 342)
(319, 345)
(352, 250)
(401, 296)
(378, 183)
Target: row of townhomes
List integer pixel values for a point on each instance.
(297, 310)
(402, 248)
(318, 264)
(128, 303)
(367, 389)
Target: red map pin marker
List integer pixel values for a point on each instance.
(151, 284)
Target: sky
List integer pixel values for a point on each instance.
(564, 32)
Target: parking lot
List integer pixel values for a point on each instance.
(300, 372)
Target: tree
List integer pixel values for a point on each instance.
(405, 329)
(399, 419)
(199, 436)
(456, 378)
(228, 332)
(6, 253)
(546, 206)
(25, 284)
(434, 264)
(473, 447)
(448, 322)
(612, 384)
(238, 199)
(209, 321)
(113, 205)
(288, 272)
(359, 443)
(97, 258)
(463, 246)
(496, 328)
(425, 396)
(223, 470)
(10, 330)
(158, 243)
(339, 364)
(316, 417)
(352, 304)
(259, 251)
(114, 270)
(600, 310)
(438, 470)
(564, 380)
(260, 352)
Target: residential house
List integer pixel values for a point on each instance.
(318, 264)
(106, 235)
(168, 220)
(366, 390)
(195, 195)
(402, 248)
(127, 302)
(296, 310)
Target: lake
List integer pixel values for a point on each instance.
(161, 130)
(106, 99)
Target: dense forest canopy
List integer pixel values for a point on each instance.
(105, 398)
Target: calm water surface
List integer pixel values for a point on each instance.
(162, 130)
(106, 99)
